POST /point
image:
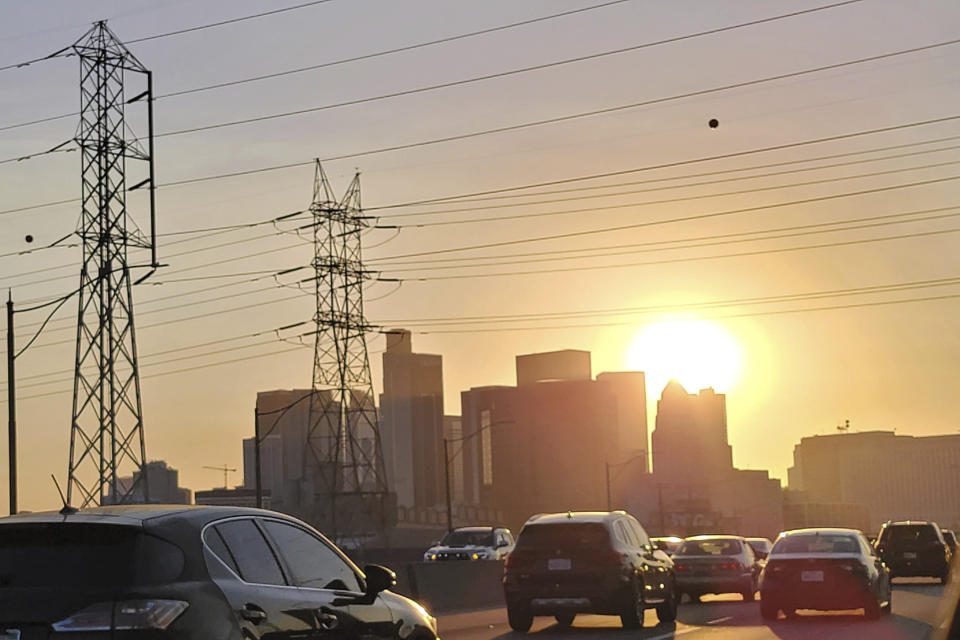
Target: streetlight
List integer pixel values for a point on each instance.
(447, 459)
(641, 454)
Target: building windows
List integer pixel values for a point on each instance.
(486, 444)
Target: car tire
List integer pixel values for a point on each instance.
(565, 619)
(519, 618)
(667, 612)
(632, 618)
(750, 593)
(768, 609)
(872, 610)
(944, 578)
(694, 597)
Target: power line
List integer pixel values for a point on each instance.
(681, 260)
(647, 202)
(549, 65)
(459, 37)
(702, 216)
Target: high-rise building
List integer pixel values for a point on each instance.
(412, 422)
(544, 445)
(694, 487)
(163, 484)
(896, 477)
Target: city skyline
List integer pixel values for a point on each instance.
(854, 225)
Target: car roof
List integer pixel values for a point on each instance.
(909, 522)
(576, 516)
(716, 537)
(477, 529)
(136, 515)
(757, 539)
(820, 530)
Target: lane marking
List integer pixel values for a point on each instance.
(720, 620)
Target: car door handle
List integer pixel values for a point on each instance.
(253, 613)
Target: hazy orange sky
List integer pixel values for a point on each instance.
(852, 319)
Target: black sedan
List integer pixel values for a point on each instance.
(190, 573)
(824, 569)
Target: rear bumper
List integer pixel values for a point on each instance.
(823, 597)
(919, 567)
(609, 597)
(715, 584)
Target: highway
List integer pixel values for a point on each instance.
(724, 617)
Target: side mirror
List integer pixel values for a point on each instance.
(379, 578)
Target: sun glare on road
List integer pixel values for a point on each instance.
(695, 352)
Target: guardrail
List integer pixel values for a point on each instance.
(443, 587)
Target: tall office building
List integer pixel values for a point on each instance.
(896, 477)
(163, 483)
(690, 437)
(544, 445)
(411, 426)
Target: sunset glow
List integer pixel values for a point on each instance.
(695, 352)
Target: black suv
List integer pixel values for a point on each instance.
(587, 562)
(914, 549)
(190, 573)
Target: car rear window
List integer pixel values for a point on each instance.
(817, 543)
(909, 534)
(710, 548)
(75, 555)
(566, 535)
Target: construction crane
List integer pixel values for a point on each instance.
(225, 470)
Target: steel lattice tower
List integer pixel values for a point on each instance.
(106, 436)
(343, 437)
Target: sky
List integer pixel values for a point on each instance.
(826, 270)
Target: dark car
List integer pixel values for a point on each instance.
(190, 573)
(914, 549)
(587, 562)
(824, 569)
(716, 564)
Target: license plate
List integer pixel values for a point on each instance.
(811, 576)
(558, 564)
(10, 634)
(910, 555)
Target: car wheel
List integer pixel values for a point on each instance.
(667, 612)
(871, 610)
(565, 619)
(694, 597)
(768, 609)
(749, 594)
(944, 578)
(632, 618)
(520, 619)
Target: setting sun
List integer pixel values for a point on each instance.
(695, 352)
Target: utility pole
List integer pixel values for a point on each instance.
(11, 406)
(256, 457)
(106, 433)
(343, 434)
(446, 473)
(609, 501)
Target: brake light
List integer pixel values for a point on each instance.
(680, 567)
(123, 615)
(732, 566)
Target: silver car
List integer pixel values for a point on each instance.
(716, 564)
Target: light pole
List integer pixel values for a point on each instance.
(447, 458)
(641, 454)
(11, 406)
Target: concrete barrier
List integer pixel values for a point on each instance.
(452, 586)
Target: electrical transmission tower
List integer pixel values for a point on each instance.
(106, 435)
(351, 499)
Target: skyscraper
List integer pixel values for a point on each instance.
(690, 437)
(411, 425)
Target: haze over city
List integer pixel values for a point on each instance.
(719, 308)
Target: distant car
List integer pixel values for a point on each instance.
(587, 562)
(190, 573)
(760, 546)
(824, 569)
(472, 543)
(716, 564)
(914, 549)
(667, 544)
(950, 537)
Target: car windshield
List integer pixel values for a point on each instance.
(574, 534)
(710, 547)
(817, 543)
(909, 534)
(465, 538)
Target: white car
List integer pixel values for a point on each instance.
(472, 543)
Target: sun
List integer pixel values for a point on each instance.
(695, 352)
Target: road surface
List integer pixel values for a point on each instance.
(721, 618)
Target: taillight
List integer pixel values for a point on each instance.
(680, 567)
(732, 566)
(124, 615)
